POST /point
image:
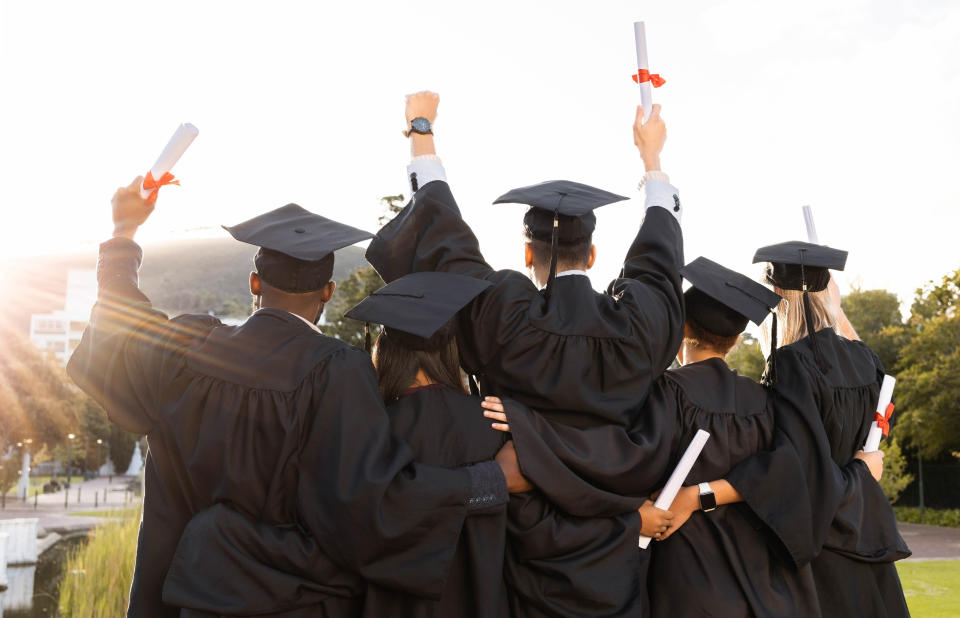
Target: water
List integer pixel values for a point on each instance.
(37, 598)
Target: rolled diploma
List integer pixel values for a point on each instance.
(811, 228)
(670, 490)
(886, 394)
(178, 144)
(646, 93)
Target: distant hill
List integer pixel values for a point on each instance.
(182, 276)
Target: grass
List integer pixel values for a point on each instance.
(931, 588)
(106, 513)
(97, 576)
(37, 482)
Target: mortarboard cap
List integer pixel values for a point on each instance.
(795, 263)
(296, 246)
(573, 202)
(561, 211)
(420, 304)
(721, 301)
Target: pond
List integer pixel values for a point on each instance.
(34, 589)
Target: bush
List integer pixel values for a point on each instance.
(97, 576)
(930, 517)
(895, 478)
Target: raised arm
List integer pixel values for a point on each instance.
(649, 286)
(119, 361)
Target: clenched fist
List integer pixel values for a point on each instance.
(422, 105)
(129, 209)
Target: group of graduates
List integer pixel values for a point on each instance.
(498, 452)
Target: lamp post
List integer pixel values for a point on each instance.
(99, 445)
(70, 437)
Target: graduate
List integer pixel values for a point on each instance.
(827, 385)
(714, 559)
(552, 343)
(420, 380)
(255, 417)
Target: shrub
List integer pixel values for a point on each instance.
(931, 517)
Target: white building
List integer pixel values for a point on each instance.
(58, 333)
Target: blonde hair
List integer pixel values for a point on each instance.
(791, 324)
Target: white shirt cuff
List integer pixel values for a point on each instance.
(664, 195)
(425, 169)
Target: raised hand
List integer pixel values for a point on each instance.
(130, 210)
(422, 105)
(649, 137)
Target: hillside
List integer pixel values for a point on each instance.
(183, 276)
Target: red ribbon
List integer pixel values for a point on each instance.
(150, 183)
(643, 75)
(883, 420)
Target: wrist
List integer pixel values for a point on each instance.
(651, 163)
(422, 145)
(124, 230)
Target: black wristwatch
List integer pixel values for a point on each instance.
(420, 125)
(708, 501)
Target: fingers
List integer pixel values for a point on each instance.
(655, 112)
(135, 184)
(492, 403)
(500, 416)
(501, 427)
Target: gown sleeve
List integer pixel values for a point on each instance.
(373, 510)
(128, 347)
(598, 471)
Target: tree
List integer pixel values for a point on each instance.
(747, 358)
(361, 283)
(875, 314)
(122, 444)
(894, 479)
(928, 387)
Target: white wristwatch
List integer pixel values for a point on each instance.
(708, 501)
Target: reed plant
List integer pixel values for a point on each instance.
(97, 575)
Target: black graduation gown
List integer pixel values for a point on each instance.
(837, 518)
(581, 359)
(722, 563)
(447, 428)
(257, 417)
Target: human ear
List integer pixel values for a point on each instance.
(328, 290)
(528, 255)
(255, 284)
(593, 257)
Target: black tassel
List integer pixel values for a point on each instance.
(772, 359)
(366, 338)
(414, 183)
(554, 249)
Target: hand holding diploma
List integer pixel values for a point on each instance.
(674, 483)
(159, 175)
(881, 421)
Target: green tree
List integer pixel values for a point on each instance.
(747, 358)
(361, 283)
(122, 444)
(875, 314)
(928, 387)
(894, 479)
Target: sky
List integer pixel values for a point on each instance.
(850, 107)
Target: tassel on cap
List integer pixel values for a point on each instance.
(808, 319)
(554, 250)
(367, 345)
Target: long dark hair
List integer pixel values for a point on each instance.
(399, 356)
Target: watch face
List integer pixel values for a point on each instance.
(708, 501)
(420, 125)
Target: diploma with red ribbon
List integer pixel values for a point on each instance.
(643, 76)
(159, 175)
(881, 420)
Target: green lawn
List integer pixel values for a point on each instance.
(931, 588)
(106, 513)
(37, 482)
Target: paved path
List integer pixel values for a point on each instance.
(931, 542)
(55, 518)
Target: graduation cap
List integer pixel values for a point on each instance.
(797, 265)
(419, 308)
(296, 246)
(721, 301)
(561, 211)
